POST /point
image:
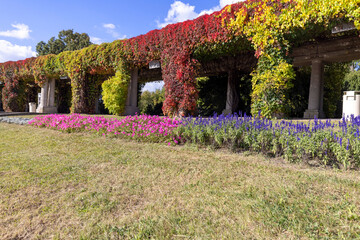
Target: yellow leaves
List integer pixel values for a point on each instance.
(270, 22)
(238, 23)
(269, 85)
(115, 90)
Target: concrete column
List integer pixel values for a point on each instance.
(51, 92)
(128, 99)
(43, 99)
(315, 105)
(134, 87)
(232, 99)
(131, 102)
(47, 104)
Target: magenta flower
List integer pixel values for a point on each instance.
(143, 127)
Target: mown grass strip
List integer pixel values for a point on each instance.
(55, 185)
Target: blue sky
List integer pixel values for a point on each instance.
(24, 23)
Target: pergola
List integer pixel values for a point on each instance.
(172, 54)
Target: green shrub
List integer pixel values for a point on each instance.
(115, 91)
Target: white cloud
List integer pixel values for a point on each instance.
(223, 3)
(152, 86)
(110, 29)
(180, 12)
(21, 31)
(109, 26)
(123, 37)
(13, 52)
(96, 40)
(210, 11)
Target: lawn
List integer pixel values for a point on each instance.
(55, 185)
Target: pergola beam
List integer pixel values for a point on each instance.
(344, 49)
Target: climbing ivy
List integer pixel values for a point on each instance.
(173, 45)
(270, 28)
(270, 25)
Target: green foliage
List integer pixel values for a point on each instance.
(321, 141)
(334, 75)
(212, 94)
(271, 28)
(64, 97)
(270, 25)
(233, 47)
(67, 41)
(13, 95)
(352, 81)
(333, 81)
(271, 84)
(21, 97)
(299, 94)
(151, 102)
(213, 91)
(115, 91)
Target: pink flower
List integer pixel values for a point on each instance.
(153, 128)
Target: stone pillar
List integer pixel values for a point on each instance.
(47, 104)
(232, 98)
(51, 98)
(316, 92)
(131, 102)
(43, 99)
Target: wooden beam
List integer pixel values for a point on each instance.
(330, 51)
(243, 63)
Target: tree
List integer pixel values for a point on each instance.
(352, 78)
(334, 76)
(213, 93)
(355, 66)
(151, 102)
(67, 41)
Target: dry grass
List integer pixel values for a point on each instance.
(81, 186)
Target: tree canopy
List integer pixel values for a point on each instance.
(352, 78)
(67, 40)
(152, 102)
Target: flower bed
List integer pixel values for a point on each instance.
(140, 128)
(334, 143)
